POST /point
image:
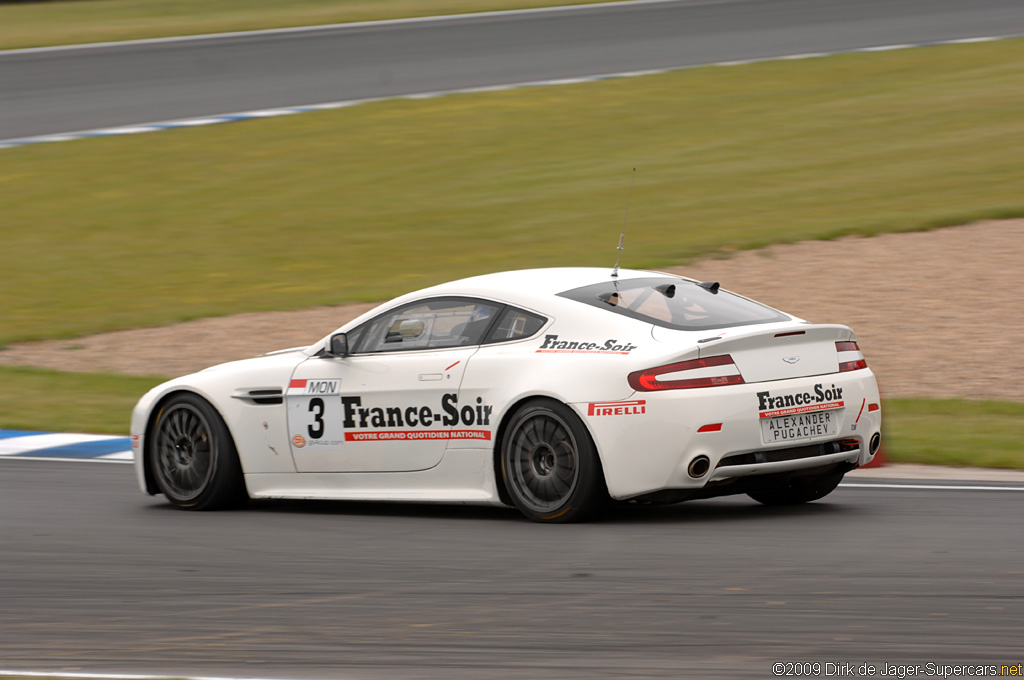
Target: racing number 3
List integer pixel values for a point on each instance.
(316, 407)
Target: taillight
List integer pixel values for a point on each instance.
(648, 380)
(853, 365)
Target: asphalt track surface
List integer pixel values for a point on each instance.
(70, 90)
(96, 576)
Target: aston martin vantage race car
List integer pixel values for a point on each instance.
(554, 391)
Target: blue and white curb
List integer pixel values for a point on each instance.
(292, 110)
(68, 447)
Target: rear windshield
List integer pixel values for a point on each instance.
(674, 303)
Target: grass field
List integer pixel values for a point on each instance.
(937, 431)
(367, 202)
(954, 432)
(74, 21)
(50, 401)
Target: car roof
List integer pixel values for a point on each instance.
(533, 289)
(527, 286)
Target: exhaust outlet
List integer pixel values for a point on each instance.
(699, 467)
(876, 443)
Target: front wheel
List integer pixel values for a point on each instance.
(799, 490)
(193, 457)
(550, 465)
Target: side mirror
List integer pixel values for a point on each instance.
(338, 346)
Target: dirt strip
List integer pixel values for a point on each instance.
(937, 313)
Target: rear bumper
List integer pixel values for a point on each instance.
(647, 445)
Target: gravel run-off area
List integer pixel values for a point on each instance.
(937, 313)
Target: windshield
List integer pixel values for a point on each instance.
(674, 303)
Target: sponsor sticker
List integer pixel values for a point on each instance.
(617, 408)
(821, 398)
(322, 420)
(356, 416)
(553, 344)
(810, 408)
(365, 423)
(800, 415)
(136, 442)
(415, 435)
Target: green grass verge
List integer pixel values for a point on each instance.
(367, 202)
(935, 431)
(51, 401)
(954, 432)
(74, 21)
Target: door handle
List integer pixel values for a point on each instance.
(431, 376)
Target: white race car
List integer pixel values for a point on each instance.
(551, 390)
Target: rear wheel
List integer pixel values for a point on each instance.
(193, 457)
(550, 465)
(799, 490)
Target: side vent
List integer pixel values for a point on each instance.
(265, 396)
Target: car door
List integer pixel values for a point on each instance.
(392, 405)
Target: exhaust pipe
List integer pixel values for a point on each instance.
(876, 443)
(699, 467)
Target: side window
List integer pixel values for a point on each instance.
(434, 324)
(515, 324)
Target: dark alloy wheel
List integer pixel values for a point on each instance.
(549, 464)
(799, 490)
(193, 457)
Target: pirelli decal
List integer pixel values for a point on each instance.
(617, 408)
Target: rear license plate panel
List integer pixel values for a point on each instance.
(800, 426)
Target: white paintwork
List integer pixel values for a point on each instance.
(645, 440)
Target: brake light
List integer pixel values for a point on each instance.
(648, 379)
(856, 364)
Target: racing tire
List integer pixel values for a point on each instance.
(193, 458)
(799, 490)
(550, 465)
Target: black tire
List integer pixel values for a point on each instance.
(799, 490)
(193, 458)
(549, 464)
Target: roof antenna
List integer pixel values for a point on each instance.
(622, 235)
